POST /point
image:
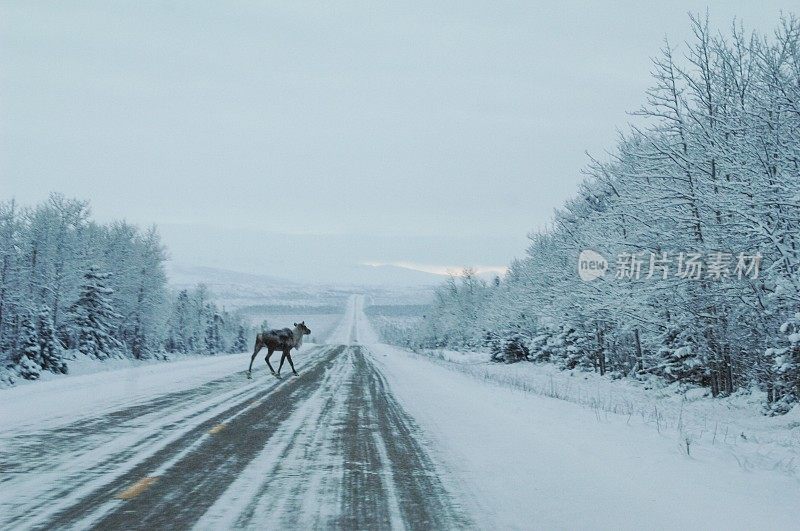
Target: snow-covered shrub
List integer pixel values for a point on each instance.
(683, 364)
(539, 351)
(783, 387)
(678, 359)
(571, 349)
(508, 346)
(28, 369)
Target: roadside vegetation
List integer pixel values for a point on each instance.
(712, 178)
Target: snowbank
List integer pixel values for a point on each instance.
(734, 425)
(530, 461)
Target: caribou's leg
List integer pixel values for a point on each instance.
(268, 363)
(285, 353)
(259, 346)
(289, 359)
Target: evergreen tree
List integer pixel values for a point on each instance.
(241, 344)
(784, 385)
(29, 357)
(50, 349)
(213, 334)
(94, 317)
(179, 323)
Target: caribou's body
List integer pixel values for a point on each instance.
(284, 340)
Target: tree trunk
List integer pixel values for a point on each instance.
(638, 345)
(601, 351)
(714, 382)
(728, 370)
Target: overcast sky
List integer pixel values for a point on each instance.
(441, 121)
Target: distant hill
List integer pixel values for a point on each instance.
(235, 284)
(387, 275)
(315, 259)
(180, 275)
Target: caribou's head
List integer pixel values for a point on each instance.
(303, 328)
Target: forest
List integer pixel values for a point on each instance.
(71, 287)
(707, 174)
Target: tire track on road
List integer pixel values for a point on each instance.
(29, 452)
(407, 470)
(67, 482)
(206, 464)
(294, 481)
(349, 458)
(366, 500)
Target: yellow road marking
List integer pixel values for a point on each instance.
(216, 429)
(136, 489)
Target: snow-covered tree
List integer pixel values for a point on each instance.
(50, 349)
(242, 342)
(214, 342)
(196, 325)
(45, 254)
(710, 168)
(94, 319)
(29, 360)
(784, 367)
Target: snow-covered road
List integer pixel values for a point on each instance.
(330, 448)
(369, 436)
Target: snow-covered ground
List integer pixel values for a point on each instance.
(531, 461)
(527, 460)
(371, 435)
(734, 426)
(94, 388)
(104, 388)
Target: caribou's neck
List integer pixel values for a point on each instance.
(298, 336)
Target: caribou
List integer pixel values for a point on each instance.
(284, 340)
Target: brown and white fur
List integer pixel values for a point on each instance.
(284, 340)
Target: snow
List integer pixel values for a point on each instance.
(60, 399)
(353, 324)
(283, 456)
(520, 445)
(33, 408)
(735, 425)
(527, 460)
